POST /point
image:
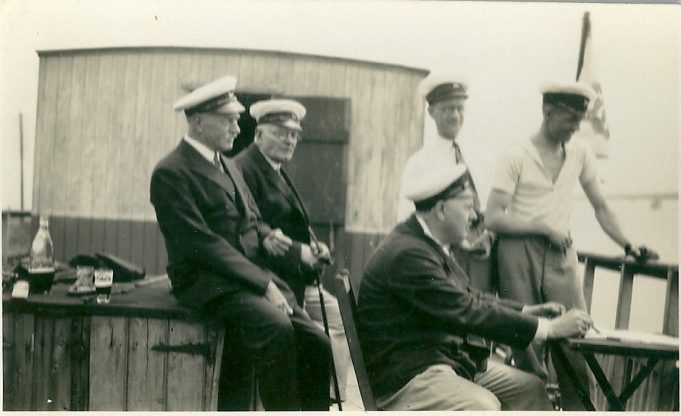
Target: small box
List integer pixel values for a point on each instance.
(20, 290)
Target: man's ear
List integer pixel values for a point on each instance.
(440, 209)
(430, 109)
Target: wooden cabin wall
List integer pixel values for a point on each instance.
(105, 118)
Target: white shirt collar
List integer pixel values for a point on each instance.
(430, 235)
(275, 165)
(443, 141)
(205, 151)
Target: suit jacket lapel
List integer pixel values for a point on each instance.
(239, 184)
(281, 182)
(201, 166)
(298, 203)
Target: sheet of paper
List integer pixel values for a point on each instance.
(632, 336)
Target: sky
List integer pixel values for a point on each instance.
(503, 50)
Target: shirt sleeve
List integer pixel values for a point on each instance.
(507, 172)
(588, 172)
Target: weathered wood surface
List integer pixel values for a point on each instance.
(105, 118)
(59, 355)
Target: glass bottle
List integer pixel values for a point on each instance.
(41, 259)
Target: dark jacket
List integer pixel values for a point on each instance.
(281, 207)
(415, 308)
(211, 226)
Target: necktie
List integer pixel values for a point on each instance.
(460, 159)
(217, 162)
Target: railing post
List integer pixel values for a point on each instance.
(671, 304)
(589, 270)
(624, 298)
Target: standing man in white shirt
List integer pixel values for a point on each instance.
(446, 97)
(529, 209)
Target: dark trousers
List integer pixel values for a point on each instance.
(290, 354)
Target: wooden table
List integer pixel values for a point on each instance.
(654, 353)
(142, 351)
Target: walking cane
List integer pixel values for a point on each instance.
(318, 280)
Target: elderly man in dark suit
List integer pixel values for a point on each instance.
(416, 313)
(218, 248)
(274, 144)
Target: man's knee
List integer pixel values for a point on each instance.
(483, 400)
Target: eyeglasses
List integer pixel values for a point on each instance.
(283, 133)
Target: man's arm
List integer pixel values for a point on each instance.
(605, 216)
(497, 218)
(179, 216)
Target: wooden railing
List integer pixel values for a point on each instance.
(660, 392)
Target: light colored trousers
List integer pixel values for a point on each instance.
(499, 388)
(339, 345)
(532, 272)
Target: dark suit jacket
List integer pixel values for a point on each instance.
(415, 307)
(281, 207)
(211, 226)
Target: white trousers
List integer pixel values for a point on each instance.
(499, 388)
(339, 345)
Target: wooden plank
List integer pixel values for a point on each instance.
(61, 141)
(624, 298)
(185, 75)
(110, 242)
(40, 144)
(150, 246)
(123, 237)
(136, 157)
(23, 356)
(84, 245)
(245, 76)
(44, 331)
(127, 140)
(137, 243)
(46, 137)
(146, 368)
(589, 270)
(80, 363)
(261, 74)
(57, 228)
(108, 363)
(70, 165)
(97, 236)
(671, 304)
(60, 366)
(9, 347)
(70, 237)
(182, 367)
(91, 122)
(106, 178)
(284, 74)
(668, 387)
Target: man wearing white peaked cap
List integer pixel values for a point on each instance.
(418, 318)
(219, 250)
(529, 208)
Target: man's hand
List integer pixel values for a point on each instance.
(481, 246)
(549, 309)
(574, 323)
(277, 243)
(640, 253)
(274, 296)
(321, 252)
(559, 239)
(307, 256)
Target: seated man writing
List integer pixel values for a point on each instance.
(416, 310)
